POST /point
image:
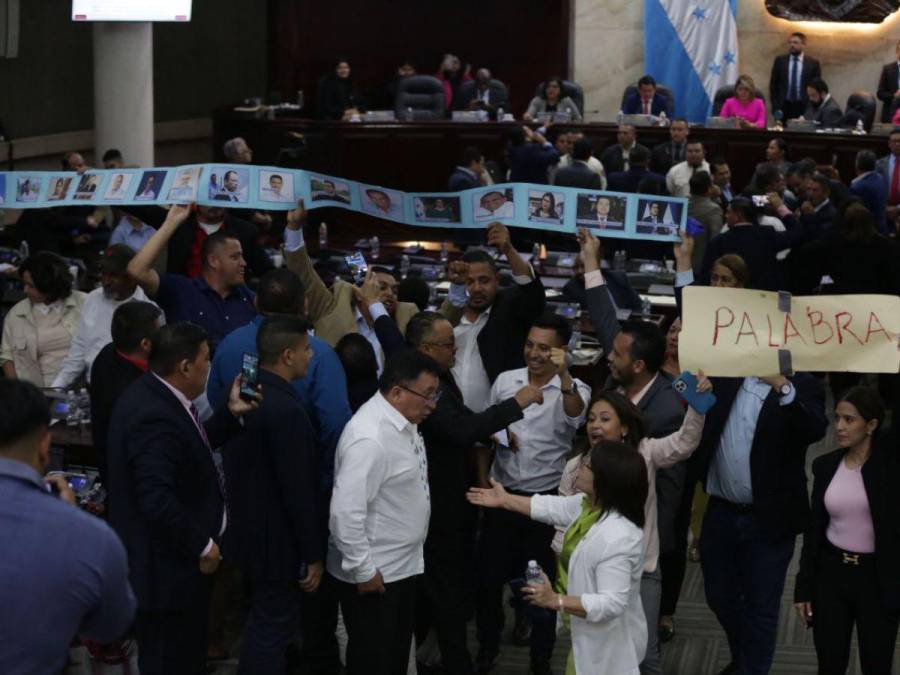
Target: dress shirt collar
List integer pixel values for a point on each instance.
(13, 468)
(468, 171)
(137, 363)
(643, 392)
(182, 399)
(485, 315)
(799, 57)
(392, 414)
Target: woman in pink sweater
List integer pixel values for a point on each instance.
(750, 110)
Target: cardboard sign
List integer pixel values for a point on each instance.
(740, 332)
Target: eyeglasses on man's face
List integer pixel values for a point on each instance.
(434, 397)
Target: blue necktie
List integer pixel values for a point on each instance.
(795, 79)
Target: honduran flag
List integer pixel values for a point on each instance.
(691, 47)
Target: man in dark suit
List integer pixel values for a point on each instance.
(167, 497)
(529, 155)
(274, 500)
(751, 458)
(637, 175)
(646, 100)
(496, 320)
(449, 432)
(578, 174)
(702, 207)
(888, 167)
(888, 85)
(756, 244)
(668, 154)
(822, 108)
(118, 364)
(622, 294)
(869, 187)
(468, 174)
(484, 93)
(791, 73)
(817, 213)
(618, 157)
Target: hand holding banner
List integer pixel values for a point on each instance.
(739, 332)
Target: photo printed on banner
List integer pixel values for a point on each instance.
(600, 211)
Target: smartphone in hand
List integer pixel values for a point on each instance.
(249, 377)
(686, 387)
(358, 267)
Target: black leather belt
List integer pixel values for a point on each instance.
(740, 509)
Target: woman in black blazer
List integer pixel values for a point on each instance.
(851, 553)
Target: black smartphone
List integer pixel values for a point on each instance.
(249, 376)
(356, 263)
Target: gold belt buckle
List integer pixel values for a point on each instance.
(850, 558)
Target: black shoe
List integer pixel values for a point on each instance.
(486, 660)
(521, 636)
(541, 668)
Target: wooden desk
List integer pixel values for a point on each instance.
(419, 156)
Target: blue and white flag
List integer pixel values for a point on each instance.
(691, 47)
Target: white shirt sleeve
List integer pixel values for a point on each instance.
(362, 471)
(584, 391)
(293, 239)
(683, 279)
(593, 279)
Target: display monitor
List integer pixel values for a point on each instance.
(131, 10)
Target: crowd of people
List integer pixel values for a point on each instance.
(400, 464)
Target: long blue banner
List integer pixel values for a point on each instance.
(544, 207)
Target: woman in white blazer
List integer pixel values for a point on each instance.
(602, 598)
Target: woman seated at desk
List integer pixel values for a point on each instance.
(745, 105)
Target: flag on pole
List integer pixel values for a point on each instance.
(691, 47)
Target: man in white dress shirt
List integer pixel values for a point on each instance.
(678, 180)
(93, 332)
(529, 461)
(380, 509)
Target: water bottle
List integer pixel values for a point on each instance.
(663, 120)
(619, 117)
(323, 236)
(404, 265)
(646, 306)
(575, 341)
(499, 114)
(619, 260)
(445, 252)
(409, 114)
(71, 409)
(84, 407)
(860, 128)
(23, 249)
(375, 247)
(533, 574)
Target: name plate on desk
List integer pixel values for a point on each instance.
(379, 116)
(723, 122)
(470, 116)
(640, 120)
(555, 117)
(801, 125)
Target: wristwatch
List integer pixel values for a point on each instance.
(785, 389)
(572, 390)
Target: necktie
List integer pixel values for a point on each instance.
(646, 107)
(217, 460)
(895, 182)
(795, 79)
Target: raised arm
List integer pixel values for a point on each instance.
(141, 266)
(320, 300)
(599, 304)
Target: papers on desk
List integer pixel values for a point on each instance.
(660, 300)
(661, 289)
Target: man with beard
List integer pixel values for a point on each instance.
(528, 461)
(93, 332)
(791, 73)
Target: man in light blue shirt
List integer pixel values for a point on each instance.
(64, 572)
(132, 232)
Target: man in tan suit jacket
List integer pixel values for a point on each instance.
(333, 312)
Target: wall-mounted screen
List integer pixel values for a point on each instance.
(131, 10)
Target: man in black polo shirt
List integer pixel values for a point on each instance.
(217, 300)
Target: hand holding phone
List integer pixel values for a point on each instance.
(249, 377)
(686, 387)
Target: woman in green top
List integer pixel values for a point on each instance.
(603, 549)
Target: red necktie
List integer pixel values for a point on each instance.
(895, 182)
(646, 107)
